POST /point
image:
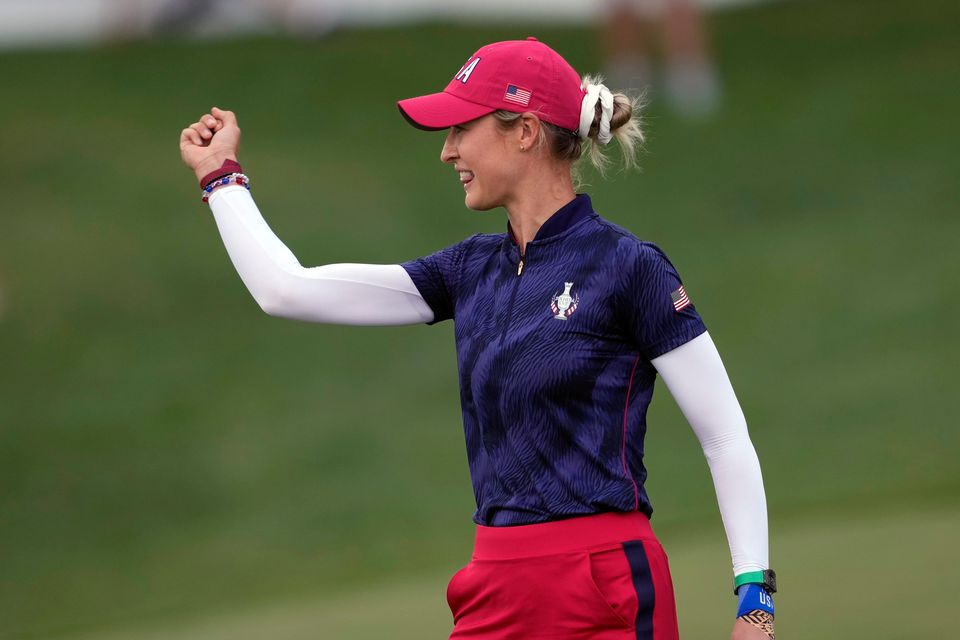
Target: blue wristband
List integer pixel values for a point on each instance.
(751, 597)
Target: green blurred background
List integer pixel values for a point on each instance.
(174, 463)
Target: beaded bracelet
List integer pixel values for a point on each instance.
(238, 179)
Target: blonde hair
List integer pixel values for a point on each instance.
(625, 125)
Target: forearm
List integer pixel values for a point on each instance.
(743, 506)
(698, 381)
(353, 294)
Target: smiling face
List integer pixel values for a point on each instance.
(487, 160)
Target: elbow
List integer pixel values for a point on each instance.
(270, 306)
(740, 451)
(274, 301)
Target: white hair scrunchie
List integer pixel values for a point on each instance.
(588, 110)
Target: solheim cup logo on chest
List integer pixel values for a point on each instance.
(562, 305)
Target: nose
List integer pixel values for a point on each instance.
(448, 153)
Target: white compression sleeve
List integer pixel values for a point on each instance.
(355, 294)
(696, 377)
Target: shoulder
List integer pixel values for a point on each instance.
(480, 246)
(477, 242)
(484, 241)
(465, 255)
(631, 249)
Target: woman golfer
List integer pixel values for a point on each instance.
(562, 325)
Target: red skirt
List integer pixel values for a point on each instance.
(602, 577)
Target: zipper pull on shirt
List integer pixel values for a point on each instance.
(520, 266)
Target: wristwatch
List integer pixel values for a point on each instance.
(766, 578)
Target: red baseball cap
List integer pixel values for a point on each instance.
(515, 75)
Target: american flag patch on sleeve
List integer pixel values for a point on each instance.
(517, 95)
(680, 299)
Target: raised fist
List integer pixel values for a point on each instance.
(206, 143)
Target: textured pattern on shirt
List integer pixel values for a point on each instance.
(550, 430)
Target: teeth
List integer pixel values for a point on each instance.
(466, 175)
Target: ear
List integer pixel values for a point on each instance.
(529, 130)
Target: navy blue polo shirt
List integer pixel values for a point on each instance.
(553, 352)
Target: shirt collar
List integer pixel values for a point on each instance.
(565, 217)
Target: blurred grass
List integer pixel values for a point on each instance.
(167, 451)
(413, 608)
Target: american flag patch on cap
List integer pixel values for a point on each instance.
(680, 299)
(517, 95)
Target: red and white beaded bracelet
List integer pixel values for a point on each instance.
(238, 179)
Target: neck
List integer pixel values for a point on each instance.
(535, 204)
